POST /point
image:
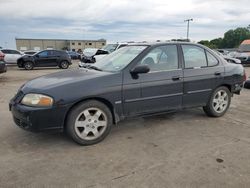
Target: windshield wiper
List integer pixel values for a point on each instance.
(92, 67)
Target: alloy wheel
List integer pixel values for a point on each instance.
(91, 124)
(220, 101)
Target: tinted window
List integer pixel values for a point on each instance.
(122, 45)
(15, 52)
(212, 61)
(162, 58)
(57, 53)
(99, 52)
(43, 54)
(6, 51)
(194, 56)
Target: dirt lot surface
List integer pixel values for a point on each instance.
(183, 149)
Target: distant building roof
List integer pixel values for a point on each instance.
(104, 40)
(246, 41)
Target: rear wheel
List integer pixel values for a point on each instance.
(28, 65)
(218, 103)
(89, 122)
(64, 65)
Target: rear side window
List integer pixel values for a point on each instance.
(194, 56)
(211, 60)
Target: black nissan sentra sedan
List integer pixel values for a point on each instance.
(137, 80)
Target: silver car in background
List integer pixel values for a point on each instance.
(11, 56)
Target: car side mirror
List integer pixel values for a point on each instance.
(140, 69)
(37, 55)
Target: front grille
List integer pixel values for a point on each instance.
(20, 123)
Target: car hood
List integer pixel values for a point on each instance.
(62, 78)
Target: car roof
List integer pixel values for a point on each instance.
(161, 43)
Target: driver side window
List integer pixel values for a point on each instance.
(161, 58)
(43, 54)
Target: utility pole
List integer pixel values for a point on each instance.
(188, 20)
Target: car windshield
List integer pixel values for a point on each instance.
(110, 47)
(119, 59)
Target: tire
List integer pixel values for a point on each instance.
(28, 65)
(219, 102)
(64, 65)
(247, 84)
(89, 122)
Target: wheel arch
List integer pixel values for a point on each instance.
(227, 86)
(106, 102)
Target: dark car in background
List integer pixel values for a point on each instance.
(45, 58)
(74, 55)
(3, 67)
(136, 80)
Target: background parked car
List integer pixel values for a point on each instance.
(223, 51)
(30, 52)
(3, 67)
(74, 55)
(228, 58)
(45, 58)
(11, 56)
(90, 54)
(242, 56)
(112, 47)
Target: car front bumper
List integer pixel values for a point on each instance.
(38, 119)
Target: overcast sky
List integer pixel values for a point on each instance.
(119, 20)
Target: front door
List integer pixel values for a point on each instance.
(159, 90)
(42, 58)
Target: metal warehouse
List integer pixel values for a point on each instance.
(23, 44)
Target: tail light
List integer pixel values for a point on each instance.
(245, 75)
(1, 56)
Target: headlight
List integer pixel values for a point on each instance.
(37, 100)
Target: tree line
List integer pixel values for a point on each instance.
(231, 39)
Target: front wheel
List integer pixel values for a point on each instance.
(218, 103)
(64, 65)
(28, 65)
(89, 122)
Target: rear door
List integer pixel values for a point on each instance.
(202, 73)
(53, 57)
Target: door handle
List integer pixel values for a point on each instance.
(176, 78)
(217, 73)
